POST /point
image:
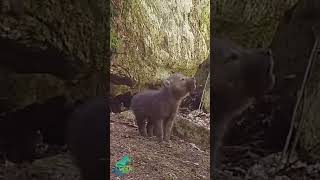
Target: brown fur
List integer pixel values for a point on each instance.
(239, 77)
(158, 108)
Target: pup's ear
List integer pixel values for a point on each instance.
(166, 83)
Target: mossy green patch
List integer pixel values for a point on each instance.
(205, 19)
(115, 41)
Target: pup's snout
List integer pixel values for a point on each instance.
(267, 52)
(192, 84)
(193, 79)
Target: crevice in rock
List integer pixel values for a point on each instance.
(22, 59)
(120, 103)
(18, 129)
(121, 80)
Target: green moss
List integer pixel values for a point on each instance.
(205, 19)
(187, 72)
(115, 41)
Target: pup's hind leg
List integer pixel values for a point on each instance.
(141, 122)
(150, 128)
(158, 125)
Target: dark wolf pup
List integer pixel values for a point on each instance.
(239, 77)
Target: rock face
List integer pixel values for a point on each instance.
(192, 132)
(154, 39)
(49, 45)
(249, 23)
(49, 50)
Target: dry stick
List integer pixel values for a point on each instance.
(299, 130)
(288, 164)
(298, 101)
(205, 85)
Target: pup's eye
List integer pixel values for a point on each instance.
(182, 79)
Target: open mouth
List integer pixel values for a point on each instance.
(191, 85)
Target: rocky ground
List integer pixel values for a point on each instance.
(243, 164)
(184, 159)
(151, 160)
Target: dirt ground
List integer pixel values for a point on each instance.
(151, 160)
